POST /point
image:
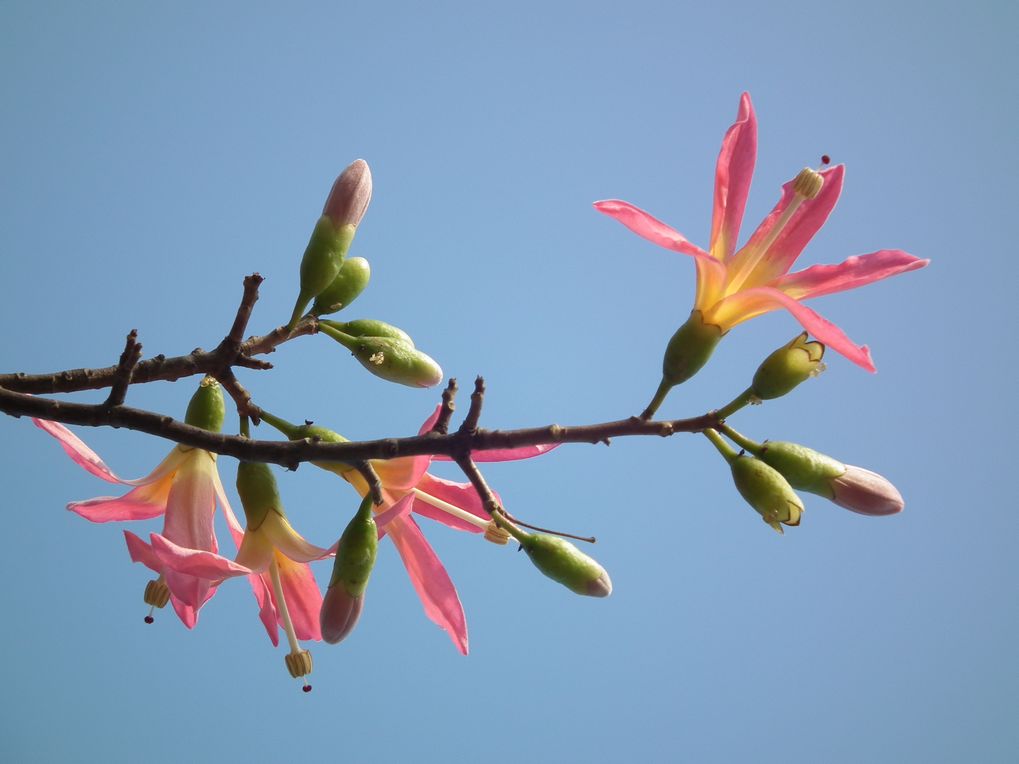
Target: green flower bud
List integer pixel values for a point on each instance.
(767, 491)
(389, 358)
(312, 432)
(256, 486)
(333, 234)
(804, 468)
(207, 408)
(561, 561)
(355, 558)
(787, 367)
(348, 284)
(366, 327)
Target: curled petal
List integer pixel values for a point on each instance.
(191, 504)
(753, 302)
(81, 454)
(261, 586)
(289, 542)
(195, 562)
(794, 236)
(187, 614)
(733, 173)
(853, 272)
(142, 503)
(710, 272)
(430, 580)
(504, 454)
(143, 553)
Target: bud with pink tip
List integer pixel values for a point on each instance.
(866, 492)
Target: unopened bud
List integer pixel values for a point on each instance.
(349, 283)
(315, 433)
(355, 558)
(787, 367)
(333, 234)
(767, 491)
(207, 409)
(389, 358)
(854, 488)
(561, 561)
(866, 492)
(349, 197)
(259, 495)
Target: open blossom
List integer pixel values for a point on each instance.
(737, 284)
(184, 488)
(407, 487)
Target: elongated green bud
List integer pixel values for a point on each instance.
(561, 561)
(367, 327)
(389, 358)
(355, 558)
(687, 352)
(766, 491)
(259, 494)
(207, 409)
(333, 234)
(788, 367)
(349, 283)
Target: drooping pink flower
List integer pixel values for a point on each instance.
(734, 285)
(184, 488)
(408, 488)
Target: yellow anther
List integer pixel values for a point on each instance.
(157, 594)
(299, 663)
(496, 535)
(808, 183)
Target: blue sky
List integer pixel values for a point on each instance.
(155, 154)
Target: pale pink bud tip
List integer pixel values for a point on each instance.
(866, 492)
(601, 586)
(340, 614)
(351, 193)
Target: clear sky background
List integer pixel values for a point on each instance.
(155, 153)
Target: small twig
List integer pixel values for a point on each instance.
(241, 397)
(488, 500)
(470, 423)
(125, 368)
(252, 363)
(441, 425)
(236, 335)
(372, 478)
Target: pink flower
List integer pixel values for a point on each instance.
(734, 285)
(184, 488)
(408, 487)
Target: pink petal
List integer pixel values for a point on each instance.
(191, 504)
(304, 600)
(75, 448)
(289, 542)
(753, 302)
(194, 562)
(710, 272)
(401, 508)
(430, 422)
(805, 222)
(853, 272)
(231, 519)
(261, 586)
(142, 503)
(143, 553)
(401, 474)
(504, 454)
(187, 614)
(430, 580)
(733, 172)
(460, 495)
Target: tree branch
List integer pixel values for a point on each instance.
(125, 369)
(291, 453)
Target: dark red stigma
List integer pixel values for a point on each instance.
(149, 619)
(307, 688)
(825, 159)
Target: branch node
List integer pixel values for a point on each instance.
(470, 422)
(125, 369)
(441, 425)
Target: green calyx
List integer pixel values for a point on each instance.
(351, 280)
(355, 554)
(311, 432)
(389, 358)
(804, 468)
(687, 352)
(256, 486)
(321, 263)
(561, 561)
(789, 366)
(767, 491)
(207, 409)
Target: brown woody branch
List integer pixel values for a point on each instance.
(125, 370)
(292, 453)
